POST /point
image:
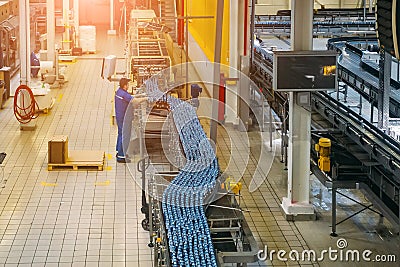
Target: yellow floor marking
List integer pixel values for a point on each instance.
(108, 168)
(59, 98)
(106, 183)
(109, 156)
(48, 184)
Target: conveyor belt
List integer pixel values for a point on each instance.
(383, 153)
(351, 72)
(379, 154)
(383, 149)
(353, 23)
(323, 24)
(342, 12)
(368, 64)
(189, 237)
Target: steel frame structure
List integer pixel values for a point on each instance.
(147, 47)
(377, 166)
(365, 81)
(323, 25)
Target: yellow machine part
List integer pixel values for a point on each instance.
(324, 163)
(175, 95)
(231, 186)
(324, 150)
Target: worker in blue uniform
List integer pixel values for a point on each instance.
(35, 64)
(124, 105)
(195, 91)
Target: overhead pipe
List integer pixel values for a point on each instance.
(181, 23)
(217, 78)
(246, 16)
(252, 26)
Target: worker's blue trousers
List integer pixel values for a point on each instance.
(124, 135)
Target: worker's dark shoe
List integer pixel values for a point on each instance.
(121, 160)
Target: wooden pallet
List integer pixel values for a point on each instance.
(89, 52)
(67, 59)
(81, 160)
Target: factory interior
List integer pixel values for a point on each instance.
(171, 133)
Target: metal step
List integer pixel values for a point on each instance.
(168, 10)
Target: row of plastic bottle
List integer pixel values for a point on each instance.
(188, 233)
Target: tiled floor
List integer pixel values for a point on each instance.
(93, 218)
(64, 218)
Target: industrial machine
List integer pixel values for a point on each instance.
(147, 46)
(324, 151)
(327, 23)
(9, 52)
(9, 44)
(191, 210)
(358, 155)
(9, 34)
(39, 24)
(364, 80)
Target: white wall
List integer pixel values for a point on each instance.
(269, 7)
(205, 71)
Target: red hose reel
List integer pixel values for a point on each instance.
(25, 112)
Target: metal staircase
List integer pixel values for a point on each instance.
(168, 13)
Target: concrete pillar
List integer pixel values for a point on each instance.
(240, 29)
(234, 37)
(234, 55)
(301, 36)
(25, 42)
(66, 36)
(25, 51)
(244, 94)
(216, 74)
(51, 30)
(111, 31)
(296, 205)
(76, 21)
(244, 82)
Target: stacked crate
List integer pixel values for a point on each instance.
(87, 38)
